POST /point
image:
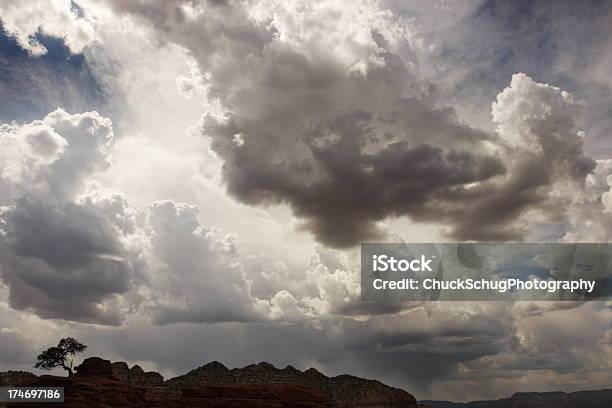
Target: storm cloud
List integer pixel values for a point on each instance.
(349, 134)
(62, 246)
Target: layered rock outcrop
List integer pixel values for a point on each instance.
(102, 384)
(98, 383)
(97, 367)
(100, 392)
(15, 377)
(344, 391)
(136, 375)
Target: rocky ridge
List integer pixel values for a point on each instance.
(15, 377)
(100, 383)
(103, 384)
(344, 391)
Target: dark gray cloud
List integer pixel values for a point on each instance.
(343, 172)
(63, 251)
(351, 138)
(345, 150)
(63, 262)
(339, 190)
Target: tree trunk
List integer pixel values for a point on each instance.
(65, 367)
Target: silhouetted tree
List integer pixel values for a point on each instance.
(57, 356)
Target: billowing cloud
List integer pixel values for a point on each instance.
(590, 216)
(64, 249)
(57, 18)
(198, 276)
(546, 165)
(53, 158)
(64, 262)
(347, 133)
(72, 249)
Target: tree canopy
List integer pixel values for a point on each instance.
(57, 356)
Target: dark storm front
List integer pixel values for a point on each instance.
(488, 271)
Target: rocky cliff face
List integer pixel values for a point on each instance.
(103, 384)
(15, 377)
(136, 375)
(344, 391)
(581, 399)
(100, 384)
(100, 392)
(97, 367)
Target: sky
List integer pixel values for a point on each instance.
(186, 181)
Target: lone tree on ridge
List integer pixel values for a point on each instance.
(57, 356)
